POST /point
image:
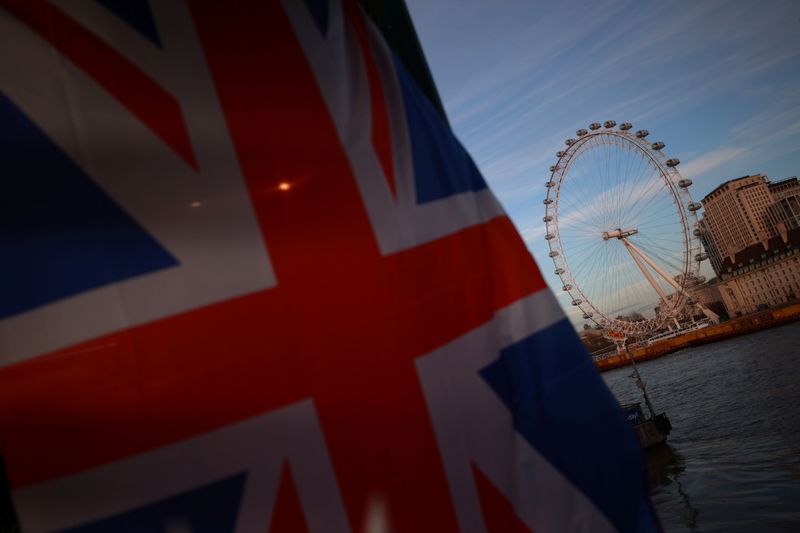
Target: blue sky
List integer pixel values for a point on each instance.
(717, 81)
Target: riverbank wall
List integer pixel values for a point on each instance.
(724, 330)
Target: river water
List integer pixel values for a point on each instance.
(732, 462)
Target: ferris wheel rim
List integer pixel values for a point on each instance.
(680, 196)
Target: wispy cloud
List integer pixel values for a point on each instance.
(770, 133)
(711, 160)
(717, 80)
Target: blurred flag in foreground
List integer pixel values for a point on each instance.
(251, 282)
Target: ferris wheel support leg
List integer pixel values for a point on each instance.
(631, 248)
(712, 316)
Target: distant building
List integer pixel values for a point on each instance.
(708, 294)
(784, 213)
(735, 214)
(762, 276)
(751, 233)
(784, 188)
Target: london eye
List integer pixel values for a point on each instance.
(622, 230)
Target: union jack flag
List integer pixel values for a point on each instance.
(250, 281)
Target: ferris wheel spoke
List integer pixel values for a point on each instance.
(585, 205)
(624, 185)
(620, 181)
(637, 189)
(591, 200)
(668, 256)
(667, 215)
(588, 258)
(622, 176)
(645, 204)
(627, 195)
(609, 188)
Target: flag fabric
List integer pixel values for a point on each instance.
(250, 281)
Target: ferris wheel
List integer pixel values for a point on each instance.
(622, 230)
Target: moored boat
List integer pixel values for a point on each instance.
(650, 431)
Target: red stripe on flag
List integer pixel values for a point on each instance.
(381, 134)
(148, 101)
(287, 513)
(498, 514)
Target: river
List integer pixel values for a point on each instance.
(732, 462)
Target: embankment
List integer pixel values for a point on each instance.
(731, 328)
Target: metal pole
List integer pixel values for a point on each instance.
(639, 382)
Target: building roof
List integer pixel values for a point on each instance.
(748, 186)
(776, 184)
(724, 183)
(755, 251)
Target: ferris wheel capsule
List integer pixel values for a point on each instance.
(625, 126)
(609, 123)
(559, 271)
(697, 232)
(549, 183)
(701, 257)
(553, 254)
(553, 168)
(577, 301)
(549, 237)
(570, 142)
(547, 201)
(594, 126)
(547, 218)
(673, 162)
(685, 183)
(658, 145)
(587, 315)
(560, 154)
(566, 287)
(642, 134)
(695, 206)
(581, 133)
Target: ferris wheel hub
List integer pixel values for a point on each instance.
(619, 233)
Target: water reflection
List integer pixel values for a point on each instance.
(664, 467)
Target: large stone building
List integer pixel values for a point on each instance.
(751, 232)
(735, 214)
(761, 277)
(784, 213)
